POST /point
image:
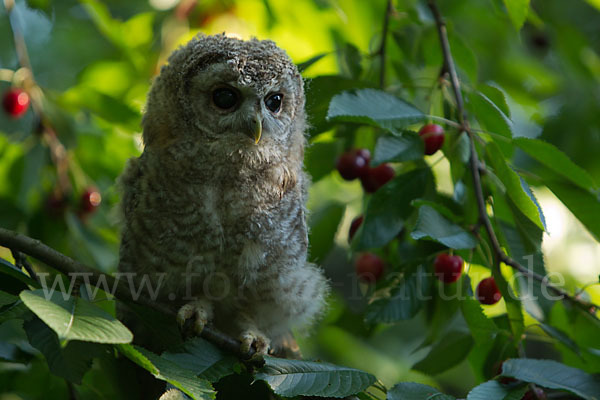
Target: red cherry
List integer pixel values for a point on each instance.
(353, 163)
(56, 204)
(505, 380)
(535, 394)
(369, 267)
(487, 292)
(377, 177)
(448, 268)
(354, 225)
(433, 136)
(15, 102)
(90, 200)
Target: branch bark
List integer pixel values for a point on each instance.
(474, 167)
(68, 266)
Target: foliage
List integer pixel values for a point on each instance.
(529, 72)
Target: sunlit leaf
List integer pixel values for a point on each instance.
(517, 11)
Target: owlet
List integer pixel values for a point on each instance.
(214, 208)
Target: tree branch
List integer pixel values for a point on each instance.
(68, 266)
(474, 167)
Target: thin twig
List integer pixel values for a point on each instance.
(382, 52)
(70, 267)
(474, 166)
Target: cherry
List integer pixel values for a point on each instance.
(354, 225)
(369, 267)
(90, 200)
(448, 268)
(505, 380)
(56, 204)
(487, 292)
(377, 177)
(15, 102)
(534, 394)
(433, 136)
(353, 163)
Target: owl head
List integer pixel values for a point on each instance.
(227, 96)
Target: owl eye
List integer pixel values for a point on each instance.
(273, 102)
(225, 98)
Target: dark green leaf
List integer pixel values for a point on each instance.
(492, 119)
(323, 226)
(6, 298)
(513, 185)
(451, 350)
(320, 158)
(553, 375)
(496, 96)
(556, 160)
(74, 318)
(407, 146)
(482, 328)
(373, 107)
(494, 390)
(405, 301)
(293, 378)
(561, 337)
(13, 280)
(166, 370)
(415, 391)
(389, 207)
(432, 225)
(303, 66)
(70, 362)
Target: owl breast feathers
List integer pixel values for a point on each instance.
(214, 208)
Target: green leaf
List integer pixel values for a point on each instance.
(373, 107)
(75, 319)
(556, 160)
(494, 390)
(553, 375)
(448, 352)
(389, 207)
(561, 337)
(482, 328)
(584, 205)
(70, 362)
(294, 378)
(407, 146)
(513, 184)
(492, 119)
(166, 370)
(513, 306)
(319, 92)
(303, 66)
(405, 301)
(496, 97)
(202, 358)
(320, 157)
(13, 280)
(415, 391)
(432, 225)
(517, 11)
(6, 298)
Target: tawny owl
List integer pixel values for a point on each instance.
(214, 208)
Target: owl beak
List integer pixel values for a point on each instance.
(257, 128)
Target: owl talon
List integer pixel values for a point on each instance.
(254, 338)
(200, 310)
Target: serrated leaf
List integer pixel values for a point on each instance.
(556, 160)
(513, 184)
(482, 328)
(407, 146)
(494, 390)
(202, 358)
(496, 96)
(295, 378)
(75, 318)
(415, 391)
(492, 119)
(553, 375)
(405, 301)
(584, 205)
(373, 107)
(432, 225)
(389, 207)
(166, 370)
(451, 350)
(517, 11)
(70, 362)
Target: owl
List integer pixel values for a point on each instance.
(214, 209)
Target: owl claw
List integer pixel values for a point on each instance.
(254, 338)
(199, 310)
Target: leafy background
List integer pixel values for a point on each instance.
(527, 73)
